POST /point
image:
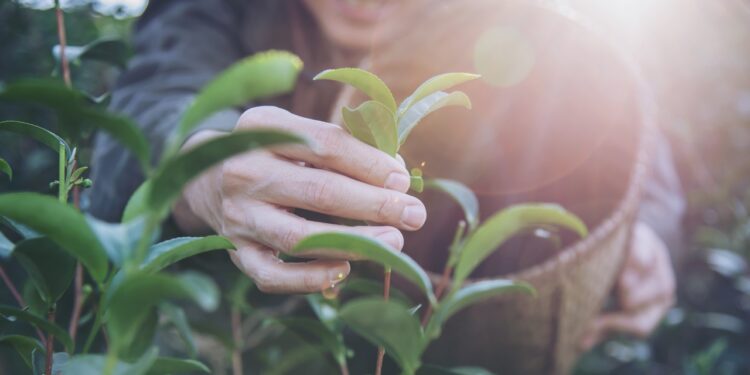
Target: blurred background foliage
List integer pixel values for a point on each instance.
(695, 53)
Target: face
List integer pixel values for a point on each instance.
(361, 24)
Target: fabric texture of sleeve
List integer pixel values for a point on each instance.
(179, 46)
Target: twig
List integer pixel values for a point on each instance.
(63, 41)
(386, 295)
(77, 302)
(21, 303)
(50, 344)
(237, 338)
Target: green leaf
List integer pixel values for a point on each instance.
(108, 50)
(469, 295)
(138, 203)
(12, 313)
(39, 359)
(316, 333)
(460, 193)
(118, 240)
(50, 268)
(38, 133)
(167, 365)
(259, 76)
(371, 288)
(77, 173)
(387, 324)
(203, 290)
(6, 247)
(507, 223)
(416, 182)
(122, 129)
(61, 223)
(368, 83)
(167, 183)
(372, 250)
(5, 168)
(165, 253)
(438, 370)
(176, 316)
(23, 345)
(437, 83)
(419, 110)
(20, 229)
(237, 296)
(143, 338)
(374, 124)
(95, 364)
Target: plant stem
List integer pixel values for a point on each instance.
(344, 368)
(21, 303)
(77, 302)
(237, 338)
(50, 347)
(62, 188)
(444, 280)
(386, 295)
(63, 41)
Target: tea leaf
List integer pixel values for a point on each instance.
(122, 129)
(138, 203)
(167, 183)
(24, 345)
(40, 134)
(259, 76)
(167, 365)
(118, 240)
(94, 364)
(437, 83)
(10, 312)
(416, 182)
(176, 316)
(372, 250)
(316, 333)
(419, 110)
(6, 247)
(374, 124)
(5, 168)
(109, 50)
(507, 223)
(50, 268)
(61, 223)
(38, 358)
(172, 251)
(469, 295)
(462, 194)
(387, 324)
(20, 229)
(438, 370)
(368, 83)
(143, 338)
(371, 287)
(203, 290)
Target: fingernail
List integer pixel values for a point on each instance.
(397, 181)
(392, 238)
(413, 216)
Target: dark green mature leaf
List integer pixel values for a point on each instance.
(237, 296)
(472, 294)
(118, 240)
(108, 50)
(438, 370)
(138, 203)
(374, 124)
(259, 76)
(122, 129)
(371, 250)
(38, 133)
(5, 168)
(49, 267)
(12, 313)
(437, 83)
(177, 317)
(387, 324)
(143, 338)
(20, 229)
(167, 365)
(507, 223)
(167, 183)
(368, 83)
(94, 364)
(371, 288)
(203, 290)
(419, 110)
(61, 223)
(316, 333)
(6, 247)
(460, 193)
(24, 345)
(165, 253)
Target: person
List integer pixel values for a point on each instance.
(251, 198)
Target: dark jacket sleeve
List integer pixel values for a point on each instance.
(663, 203)
(179, 46)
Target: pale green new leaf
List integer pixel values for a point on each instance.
(460, 193)
(368, 83)
(504, 225)
(387, 324)
(261, 75)
(138, 203)
(12, 313)
(469, 295)
(416, 181)
(372, 250)
(374, 124)
(5, 168)
(61, 223)
(171, 251)
(437, 83)
(419, 110)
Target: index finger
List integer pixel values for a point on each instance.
(333, 148)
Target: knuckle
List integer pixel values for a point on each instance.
(290, 235)
(321, 195)
(264, 281)
(387, 208)
(329, 143)
(260, 116)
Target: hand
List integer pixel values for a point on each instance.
(645, 290)
(249, 199)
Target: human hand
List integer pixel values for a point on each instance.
(645, 290)
(249, 198)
